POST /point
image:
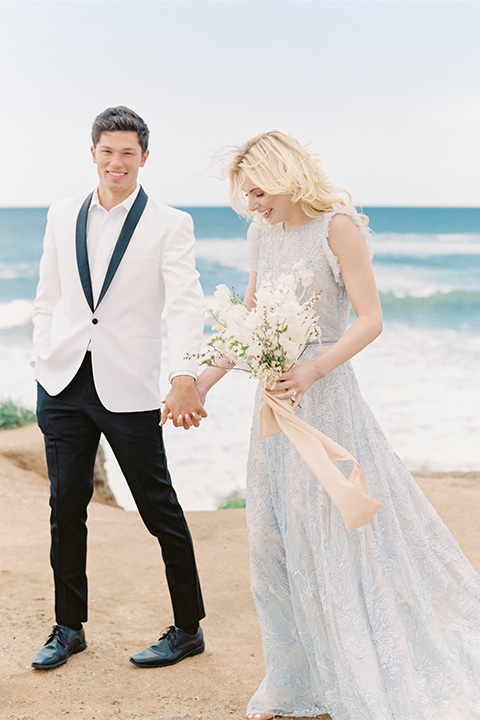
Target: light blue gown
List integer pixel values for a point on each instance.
(382, 623)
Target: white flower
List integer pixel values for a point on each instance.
(270, 338)
(222, 295)
(303, 274)
(202, 307)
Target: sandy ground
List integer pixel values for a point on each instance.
(129, 604)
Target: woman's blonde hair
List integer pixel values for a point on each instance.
(279, 164)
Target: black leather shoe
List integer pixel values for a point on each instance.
(62, 643)
(173, 646)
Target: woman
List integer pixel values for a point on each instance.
(379, 623)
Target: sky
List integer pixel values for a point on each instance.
(386, 92)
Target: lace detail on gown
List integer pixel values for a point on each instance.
(382, 623)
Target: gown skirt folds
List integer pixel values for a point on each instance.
(378, 623)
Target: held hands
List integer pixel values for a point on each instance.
(183, 405)
(295, 383)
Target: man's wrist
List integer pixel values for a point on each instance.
(183, 379)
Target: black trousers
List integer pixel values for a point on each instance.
(71, 423)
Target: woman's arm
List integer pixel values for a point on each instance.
(250, 299)
(207, 379)
(347, 243)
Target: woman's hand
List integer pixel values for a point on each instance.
(295, 383)
(183, 405)
(202, 389)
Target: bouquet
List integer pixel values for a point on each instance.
(269, 339)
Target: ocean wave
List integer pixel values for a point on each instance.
(414, 245)
(434, 296)
(433, 308)
(215, 253)
(430, 262)
(15, 313)
(425, 292)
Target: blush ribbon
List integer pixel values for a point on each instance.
(349, 495)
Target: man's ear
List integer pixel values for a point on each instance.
(144, 158)
(92, 150)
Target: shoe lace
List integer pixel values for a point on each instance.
(168, 633)
(57, 632)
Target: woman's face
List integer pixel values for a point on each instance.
(274, 209)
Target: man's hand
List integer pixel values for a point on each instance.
(183, 405)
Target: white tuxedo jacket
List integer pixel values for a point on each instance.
(157, 271)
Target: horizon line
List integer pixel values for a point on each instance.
(228, 207)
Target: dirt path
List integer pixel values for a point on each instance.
(129, 604)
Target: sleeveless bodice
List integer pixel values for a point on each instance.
(275, 251)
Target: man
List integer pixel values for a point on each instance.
(112, 261)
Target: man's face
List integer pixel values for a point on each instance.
(118, 156)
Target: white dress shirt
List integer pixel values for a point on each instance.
(103, 229)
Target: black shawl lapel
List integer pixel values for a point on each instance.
(131, 222)
(82, 254)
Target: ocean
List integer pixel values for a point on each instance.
(421, 376)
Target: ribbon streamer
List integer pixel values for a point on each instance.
(348, 494)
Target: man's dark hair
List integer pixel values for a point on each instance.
(120, 118)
